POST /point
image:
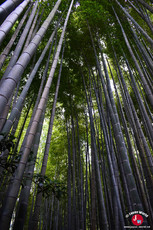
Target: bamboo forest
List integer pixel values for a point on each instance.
(76, 114)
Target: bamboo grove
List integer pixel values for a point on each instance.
(76, 121)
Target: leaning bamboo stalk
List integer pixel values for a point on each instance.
(11, 19)
(17, 108)
(7, 7)
(21, 41)
(8, 85)
(9, 45)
